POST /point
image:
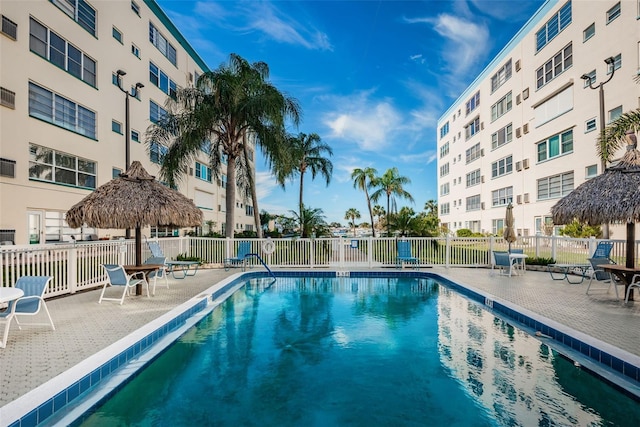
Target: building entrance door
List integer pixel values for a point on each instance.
(35, 232)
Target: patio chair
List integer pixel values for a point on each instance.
(117, 277)
(404, 255)
(635, 283)
(501, 262)
(160, 273)
(244, 249)
(155, 249)
(600, 275)
(603, 250)
(29, 304)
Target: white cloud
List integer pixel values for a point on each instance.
(265, 184)
(423, 158)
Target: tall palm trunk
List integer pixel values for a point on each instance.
(301, 205)
(252, 185)
(231, 196)
(387, 215)
(373, 228)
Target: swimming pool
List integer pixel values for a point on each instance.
(361, 351)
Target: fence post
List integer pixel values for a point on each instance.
(592, 245)
(554, 247)
(537, 245)
(312, 251)
(447, 256)
(491, 242)
(341, 252)
(72, 277)
(228, 248)
(370, 251)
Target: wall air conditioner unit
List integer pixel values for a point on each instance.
(518, 65)
(525, 93)
(525, 163)
(482, 205)
(518, 167)
(518, 133)
(482, 152)
(518, 100)
(525, 128)
(526, 197)
(519, 199)
(481, 125)
(190, 77)
(191, 171)
(482, 179)
(8, 168)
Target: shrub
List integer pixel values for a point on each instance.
(540, 261)
(184, 257)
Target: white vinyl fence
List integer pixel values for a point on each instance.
(76, 267)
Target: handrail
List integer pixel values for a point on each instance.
(264, 264)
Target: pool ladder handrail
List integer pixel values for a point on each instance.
(263, 263)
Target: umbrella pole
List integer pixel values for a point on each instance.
(138, 256)
(631, 245)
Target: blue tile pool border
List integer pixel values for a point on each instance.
(60, 401)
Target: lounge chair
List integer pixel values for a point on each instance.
(173, 266)
(160, 273)
(600, 275)
(29, 304)
(603, 250)
(635, 283)
(117, 277)
(404, 255)
(244, 249)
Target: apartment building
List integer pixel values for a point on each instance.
(67, 68)
(524, 132)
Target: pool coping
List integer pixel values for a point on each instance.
(55, 401)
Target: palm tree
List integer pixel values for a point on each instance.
(615, 134)
(303, 153)
(364, 179)
(227, 107)
(379, 212)
(312, 221)
(431, 207)
(391, 184)
(351, 215)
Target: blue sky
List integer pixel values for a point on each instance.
(372, 78)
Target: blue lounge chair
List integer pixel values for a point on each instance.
(404, 255)
(117, 277)
(188, 268)
(603, 250)
(244, 249)
(29, 304)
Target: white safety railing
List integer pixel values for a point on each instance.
(77, 266)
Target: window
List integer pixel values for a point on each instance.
(203, 172)
(156, 112)
(444, 189)
(617, 63)
(80, 11)
(223, 181)
(444, 150)
(497, 226)
(556, 186)
(161, 80)
(501, 107)
(502, 136)
(57, 110)
(592, 78)
(135, 7)
(473, 153)
(58, 51)
(9, 28)
(590, 125)
(135, 51)
(116, 127)
(135, 135)
(50, 165)
(499, 78)
(158, 40)
(116, 34)
(115, 172)
(557, 145)
(473, 103)
(555, 66)
(444, 129)
(502, 167)
(590, 171)
(473, 203)
(553, 107)
(553, 26)
(444, 169)
(445, 209)
(589, 32)
(473, 178)
(502, 197)
(472, 128)
(615, 113)
(613, 13)
(157, 152)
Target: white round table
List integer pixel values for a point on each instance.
(10, 294)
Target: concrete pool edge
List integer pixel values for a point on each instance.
(44, 404)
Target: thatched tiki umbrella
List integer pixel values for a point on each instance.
(134, 200)
(509, 233)
(612, 196)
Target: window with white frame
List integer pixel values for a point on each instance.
(135, 135)
(554, 66)
(473, 153)
(160, 79)
(223, 181)
(556, 145)
(445, 209)
(117, 34)
(502, 136)
(590, 171)
(473, 178)
(135, 7)
(615, 113)
(46, 164)
(157, 152)
(592, 78)
(589, 32)
(502, 167)
(444, 129)
(501, 107)
(158, 40)
(473, 203)
(80, 11)
(203, 172)
(617, 63)
(444, 189)
(590, 125)
(501, 76)
(497, 226)
(556, 186)
(444, 169)
(116, 127)
(115, 172)
(553, 107)
(156, 112)
(444, 149)
(472, 103)
(472, 128)
(135, 51)
(558, 22)
(60, 111)
(502, 196)
(613, 13)
(50, 46)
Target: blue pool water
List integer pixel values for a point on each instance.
(360, 352)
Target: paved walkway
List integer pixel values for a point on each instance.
(35, 355)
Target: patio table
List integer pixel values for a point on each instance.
(144, 268)
(625, 274)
